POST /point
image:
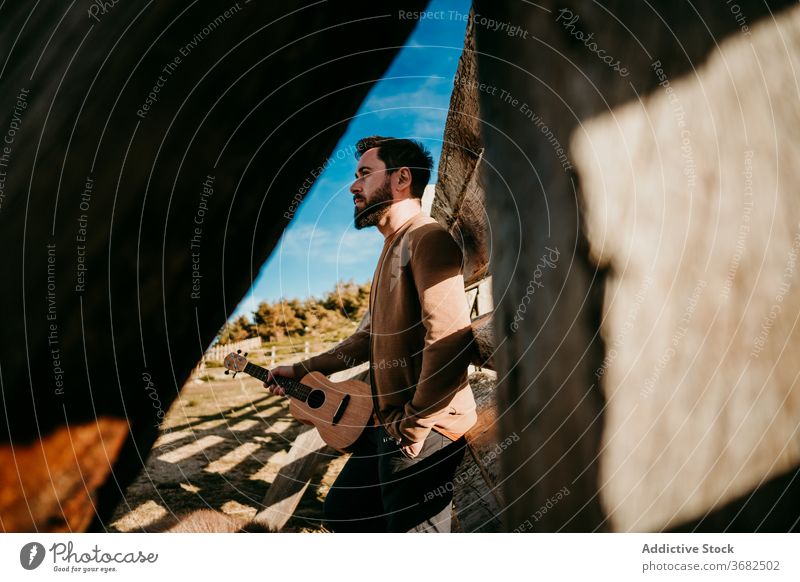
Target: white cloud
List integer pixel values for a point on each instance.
(307, 242)
(425, 107)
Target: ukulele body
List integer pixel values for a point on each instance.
(339, 410)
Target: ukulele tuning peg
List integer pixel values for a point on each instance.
(234, 374)
(245, 354)
(227, 372)
(238, 351)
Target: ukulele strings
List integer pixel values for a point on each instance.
(292, 387)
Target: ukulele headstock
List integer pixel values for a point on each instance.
(235, 362)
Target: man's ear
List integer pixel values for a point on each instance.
(402, 177)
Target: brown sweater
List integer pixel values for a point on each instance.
(418, 340)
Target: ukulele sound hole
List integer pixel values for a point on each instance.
(316, 399)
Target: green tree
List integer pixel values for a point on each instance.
(349, 299)
(236, 330)
(289, 321)
(265, 318)
(334, 314)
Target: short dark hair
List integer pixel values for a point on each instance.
(397, 153)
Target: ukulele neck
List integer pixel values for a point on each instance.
(292, 387)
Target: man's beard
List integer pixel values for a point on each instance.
(372, 212)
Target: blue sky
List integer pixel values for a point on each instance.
(321, 246)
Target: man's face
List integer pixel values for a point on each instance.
(372, 190)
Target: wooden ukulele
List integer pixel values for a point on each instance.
(339, 410)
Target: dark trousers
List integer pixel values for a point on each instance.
(382, 490)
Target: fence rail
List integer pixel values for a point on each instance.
(218, 352)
